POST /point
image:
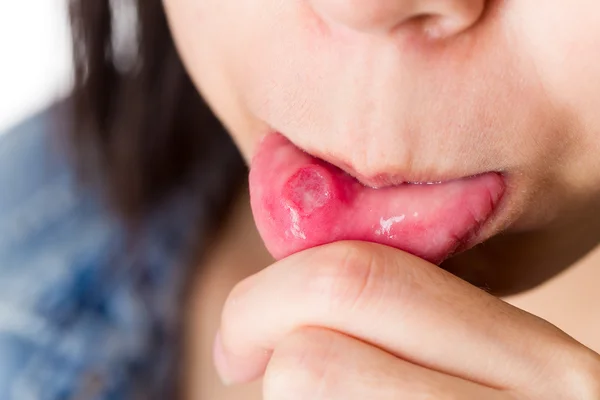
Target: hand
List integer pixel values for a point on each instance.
(361, 321)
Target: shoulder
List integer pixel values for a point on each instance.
(36, 182)
(75, 308)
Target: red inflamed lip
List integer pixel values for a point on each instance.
(300, 201)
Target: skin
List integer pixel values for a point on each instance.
(421, 90)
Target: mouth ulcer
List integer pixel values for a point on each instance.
(307, 190)
(300, 202)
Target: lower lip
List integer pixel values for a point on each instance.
(300, 201)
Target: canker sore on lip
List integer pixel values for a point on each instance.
(308, 189)
(300, 201)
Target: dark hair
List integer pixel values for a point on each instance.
(140, 126)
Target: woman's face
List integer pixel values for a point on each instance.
(421, 90)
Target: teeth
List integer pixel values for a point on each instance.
(425, 183)
(407, 183)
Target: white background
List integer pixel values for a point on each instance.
(34, 57)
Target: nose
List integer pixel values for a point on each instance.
(438, 18)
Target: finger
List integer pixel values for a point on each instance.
(399, 303)
(318, 364)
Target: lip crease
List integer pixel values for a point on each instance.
(379, 180)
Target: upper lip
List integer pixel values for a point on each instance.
(385, 179)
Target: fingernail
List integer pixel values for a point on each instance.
(220, 361)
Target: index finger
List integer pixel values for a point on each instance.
(395, 301)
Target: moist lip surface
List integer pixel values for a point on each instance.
(300, 201)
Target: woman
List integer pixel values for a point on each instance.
(385, 139)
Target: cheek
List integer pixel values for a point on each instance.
(209, 35)
(563, 40)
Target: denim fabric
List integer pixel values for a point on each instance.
(81, 317)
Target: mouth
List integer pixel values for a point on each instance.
(300, 201)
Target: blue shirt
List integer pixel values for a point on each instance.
(81, 317)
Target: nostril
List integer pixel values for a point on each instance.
(436, 26)
(424, 23)
(436, 18)
(439, 26)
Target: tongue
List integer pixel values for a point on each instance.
(300, 202)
